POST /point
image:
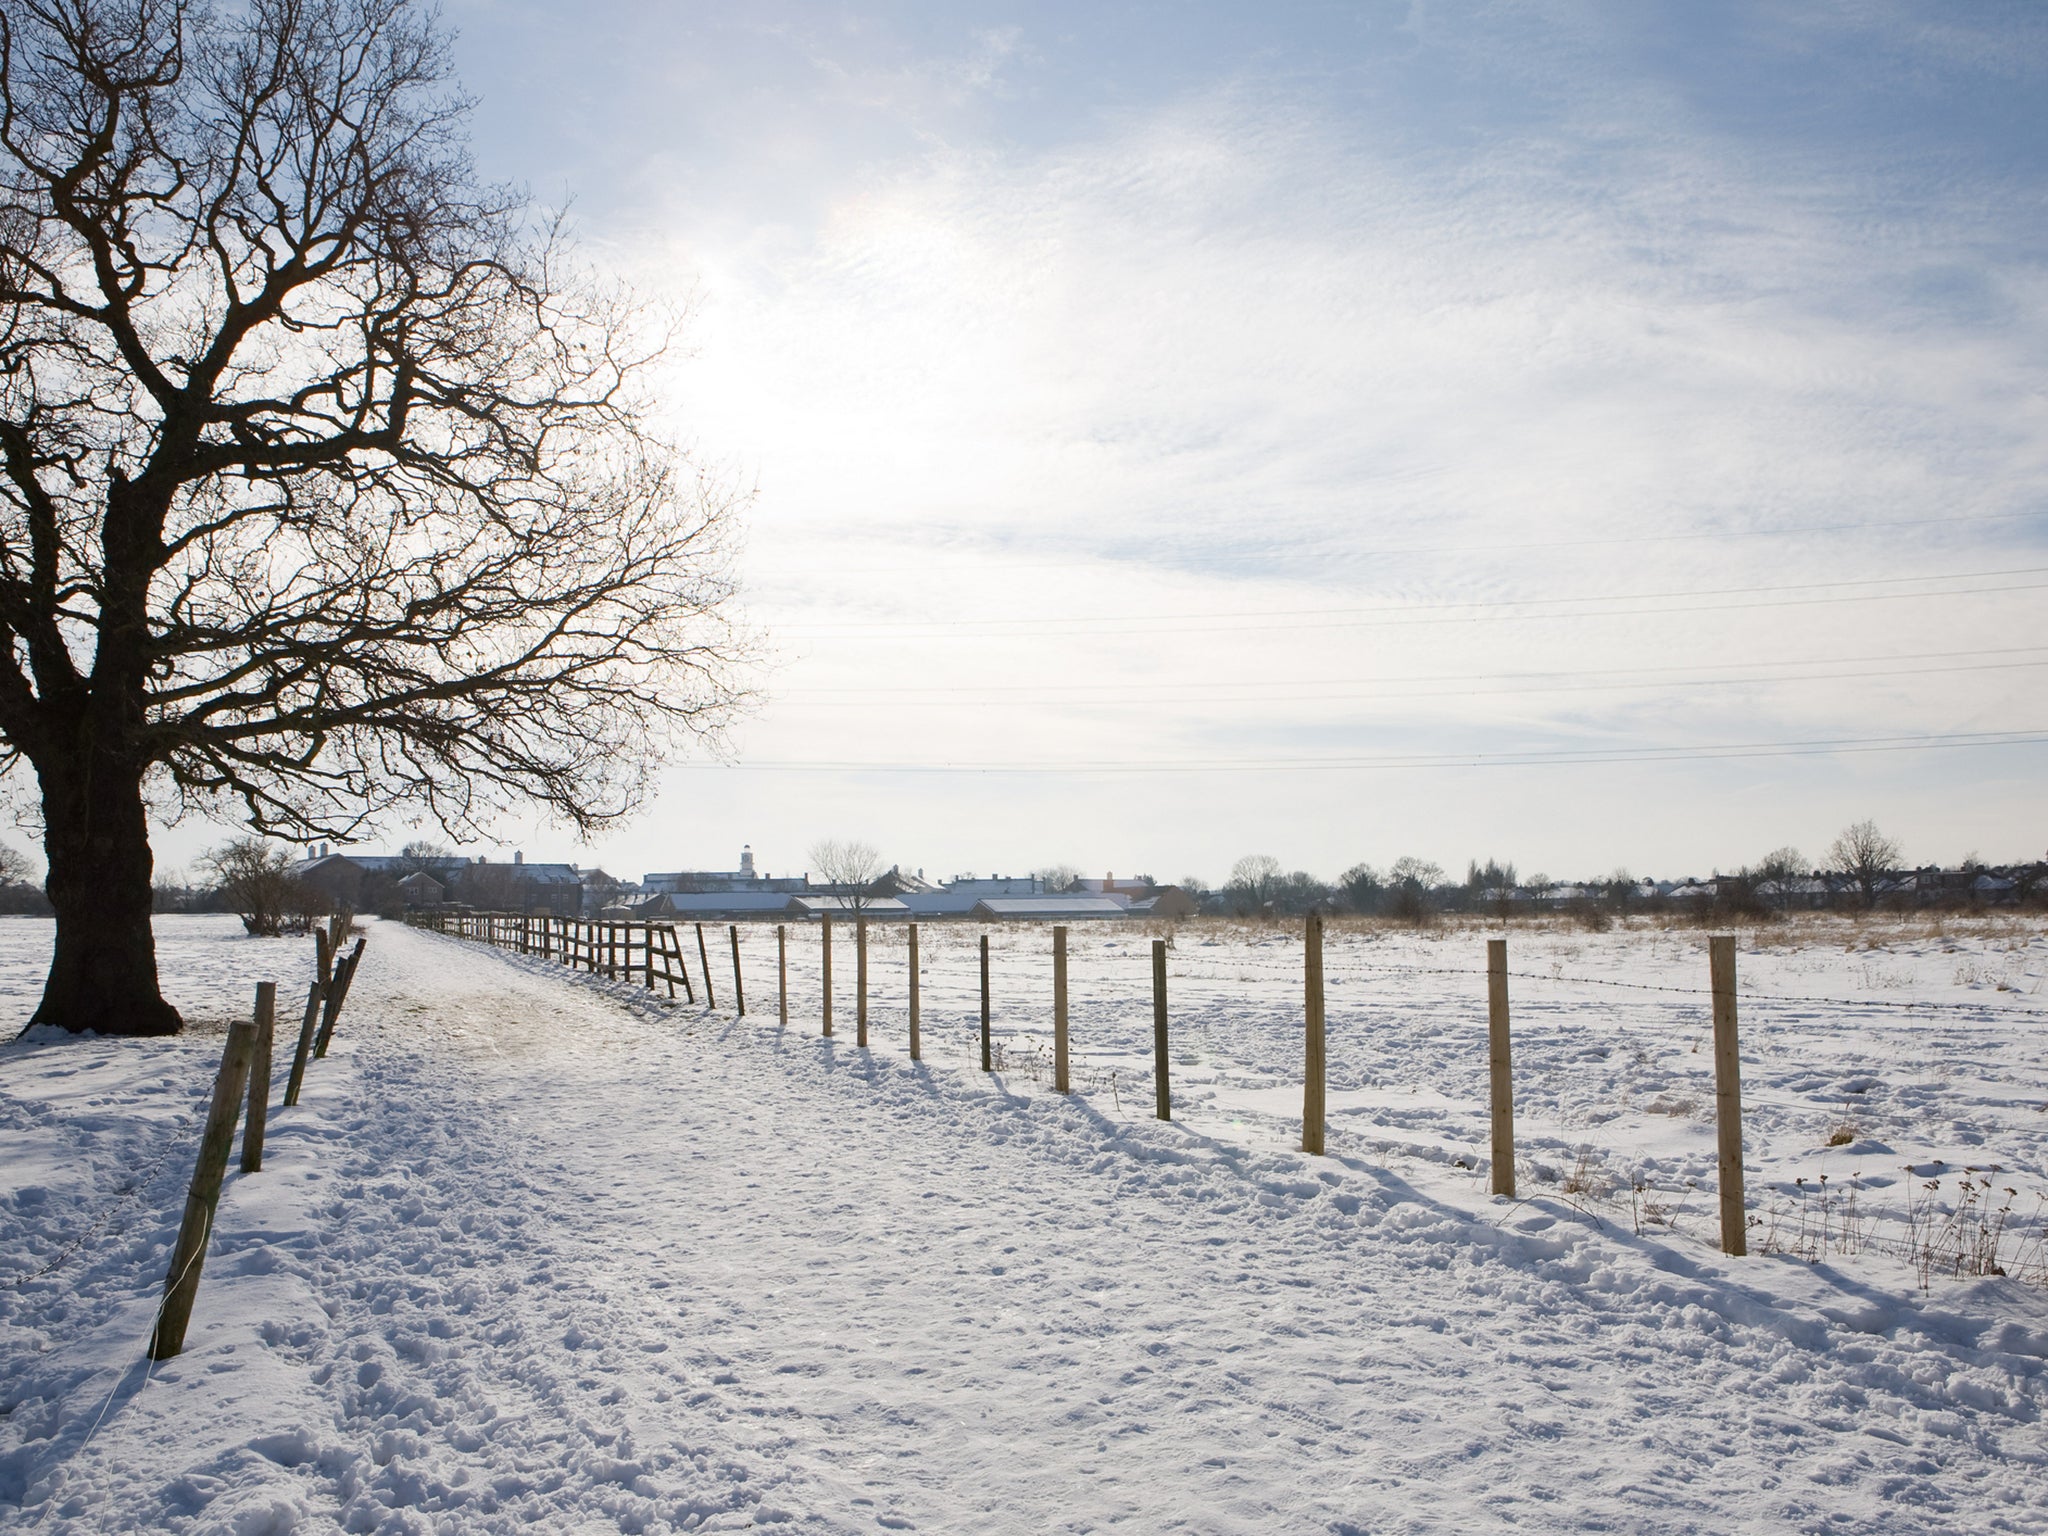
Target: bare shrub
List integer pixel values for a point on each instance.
(256, 882)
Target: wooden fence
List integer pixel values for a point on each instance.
(650, 951)
(618, 949)
(244, 1078)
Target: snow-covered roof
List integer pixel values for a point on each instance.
(845, 906)
(939, 903)
(686, 904)
(1040, 907)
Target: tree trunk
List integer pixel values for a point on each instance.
(103, 972)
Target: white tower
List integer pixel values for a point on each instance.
(747, 862)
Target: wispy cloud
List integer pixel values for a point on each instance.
(1473, 303)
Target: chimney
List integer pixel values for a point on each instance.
(518, 856)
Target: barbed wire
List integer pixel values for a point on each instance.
(124, 1198)
(1741, 995)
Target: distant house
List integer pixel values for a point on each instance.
(997, 885)
(335, 878)
(940, 903)
(1048, 909)
(556, 889)
(899, 883)
(1167, 901)
(421, 889)
(709, 906)
(846, 908)
(685, 882)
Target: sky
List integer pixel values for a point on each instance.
(1593, 435)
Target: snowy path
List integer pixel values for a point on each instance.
(537, 1259)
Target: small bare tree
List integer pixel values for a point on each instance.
(1411, 887)
(255, 881)
(423, 857)
(1364, 888)
(1058, 879)
(849, 867)
(1253, 881)
(1864, 856)
(325, 488)
(1777, 873)
(16, 867)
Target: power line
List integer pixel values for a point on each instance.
(1559, 757)
(858, 699)
(1238, 557)
(1417, 613)
(1459, 677)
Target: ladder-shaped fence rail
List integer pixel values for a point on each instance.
(618, 949)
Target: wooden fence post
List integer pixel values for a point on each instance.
(1312, 1108)
(672, 948)
(344, 978)
(985, 1066)
(1059, 1008)
(782, 973)
(704, 959)
(1162, 1090)
(315, 994)
(1498, 1067)
(826, 929)
(916, 1045)
(181, 1285)
(860, 982)
(647, 950)
(1728, 1094)
(739, 990)
(259, 1078)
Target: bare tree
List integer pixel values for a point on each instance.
(1777, 873)
(848, 867)
(1364, 888)
(325, 488)
(1253, 881)
(1059, 879)
(499, 887)
(1490, 887)
(16, 867)
(1864, 856)
(423, 857)
(255, 880)
(1411, 886)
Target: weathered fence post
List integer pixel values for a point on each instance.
(916, 1046)
(1728, 1094)
(259, 1078)
(782, 973)
(1312, 1108)
(181, 1285)
(1498, 1067)
(704, 959)
(739, 990)
(860, 982)
(315, 995)
(985, 1050)
(1161, 1089)
(672, 947)
(337, 994)
(1059, 1009)
(826, 929)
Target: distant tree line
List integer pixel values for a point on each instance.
(1862, 868)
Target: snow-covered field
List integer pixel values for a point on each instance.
(535, 1251)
